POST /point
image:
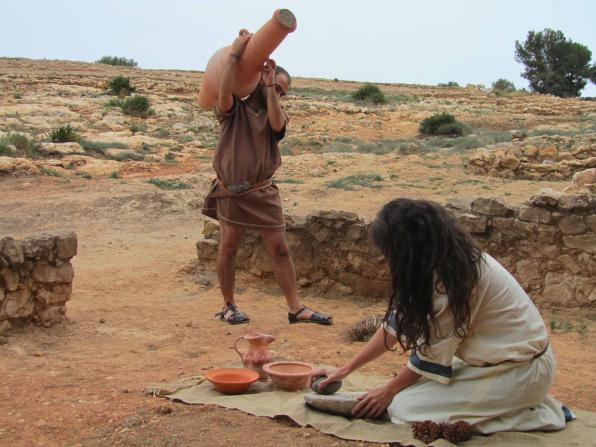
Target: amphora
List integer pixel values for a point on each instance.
(248, 71)
(257, 354)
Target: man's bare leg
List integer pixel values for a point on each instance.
(277, 247)
(229, 239)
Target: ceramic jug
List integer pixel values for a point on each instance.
(257, 354)
(248, 69)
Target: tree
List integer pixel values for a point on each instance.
(554, 64)
(503, 85)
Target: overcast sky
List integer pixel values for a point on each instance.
(420, 42)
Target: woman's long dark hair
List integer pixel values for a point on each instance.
(421, 239)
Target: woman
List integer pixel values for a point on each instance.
(479, 349)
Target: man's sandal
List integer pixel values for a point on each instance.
(236, 317)
(315, 317)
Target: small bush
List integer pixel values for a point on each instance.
(369, 93)
(441, 124)
(503, 86)
(17, 95)
(169, 183)
(136, 106)
(64, 134)
(448, 84)
(113, 60)
(120, 86)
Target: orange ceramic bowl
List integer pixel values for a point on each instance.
(232, 380)
(288, 375)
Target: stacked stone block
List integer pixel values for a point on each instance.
(36, 277)
(549, 244)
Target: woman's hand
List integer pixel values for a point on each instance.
(333, 374)
(373, 403)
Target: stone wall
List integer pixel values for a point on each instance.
(36, 278)
(545, 158)
(549, 244)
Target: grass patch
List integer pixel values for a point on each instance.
(64, 134)
(16, 144)
(349, 182)
(128, 155)
(115, 175)
(138, 127)
(321, 93)
(100, 146)
(48, 171)
(169, 184)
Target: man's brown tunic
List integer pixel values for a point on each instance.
(246, 157)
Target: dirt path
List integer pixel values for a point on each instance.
(134, 319)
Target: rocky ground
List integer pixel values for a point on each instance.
(136, 317)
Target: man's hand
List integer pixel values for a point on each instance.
(268, 72)
(240, 42)
(373, 403)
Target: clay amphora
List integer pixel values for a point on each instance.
(248, 71)
(257, 354)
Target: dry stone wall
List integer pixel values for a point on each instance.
(549, 244)
(546, 158)
(36, 278)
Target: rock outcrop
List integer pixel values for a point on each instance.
(544, 158)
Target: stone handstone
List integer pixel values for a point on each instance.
(338, 403)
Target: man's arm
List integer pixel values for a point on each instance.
(275, 114)
(225, 100)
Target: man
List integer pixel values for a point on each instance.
(243, 195)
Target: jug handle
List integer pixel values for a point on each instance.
(236, 349)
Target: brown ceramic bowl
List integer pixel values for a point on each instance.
(232, 380)
(288, 375)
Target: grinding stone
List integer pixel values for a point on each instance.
(338, 403)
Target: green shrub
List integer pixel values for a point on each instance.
(441, 124)
(448, 84)
(113, 60)
(136, 106)
(120, 86)
(169, 183)
(64, 134)
(369, 93)
(503, 85)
